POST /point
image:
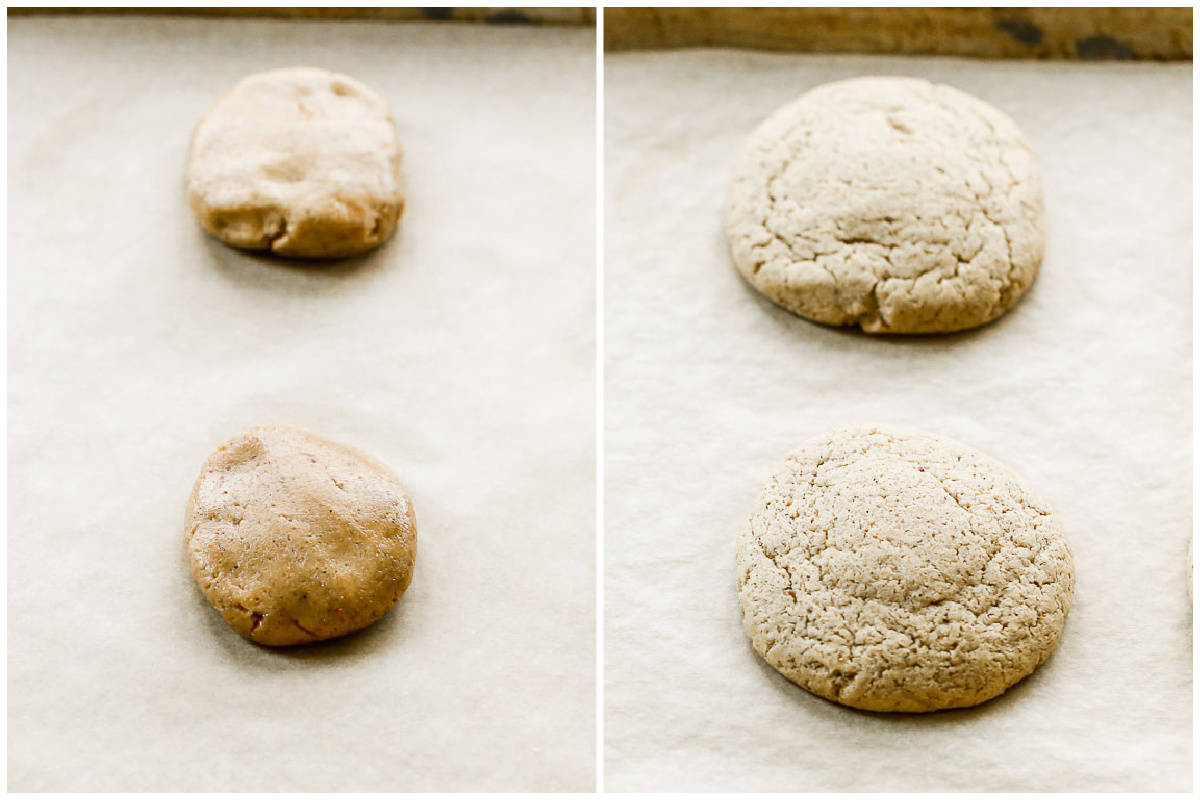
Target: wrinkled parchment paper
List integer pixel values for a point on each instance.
(1084, 389)
(461, 354)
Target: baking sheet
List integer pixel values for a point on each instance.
(1084, 389)
(461, 354)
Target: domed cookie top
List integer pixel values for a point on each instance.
(892, 204)
(301, 162)
(295, 538)
(893, 570)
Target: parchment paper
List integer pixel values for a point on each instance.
(461, 354)
(1084, 389)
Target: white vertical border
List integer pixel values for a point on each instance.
(4, 360)
(599, 397)
(1195, 596)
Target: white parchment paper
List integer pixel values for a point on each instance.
(461, 354)
(1084, 389)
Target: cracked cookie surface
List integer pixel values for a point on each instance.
(889, 569)
(301, 162)
(295, 538)
(891, 204)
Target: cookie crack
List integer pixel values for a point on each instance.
(279, 234)
(296, 622)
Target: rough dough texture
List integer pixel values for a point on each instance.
(301, 162)
(892, 204)
(893, 570)
(295, 538)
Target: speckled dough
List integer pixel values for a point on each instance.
(892, 204)
(295, 538)
(301, 162)
(889, 569)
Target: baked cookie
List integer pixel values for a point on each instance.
(294, 538)
(889, 569)
(892, 204)
(301, 162)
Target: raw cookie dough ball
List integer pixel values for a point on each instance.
(301, 162)
(888, 203)
(889, 569)
(295, 538)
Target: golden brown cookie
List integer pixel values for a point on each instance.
(295, 538)
(302, 162)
